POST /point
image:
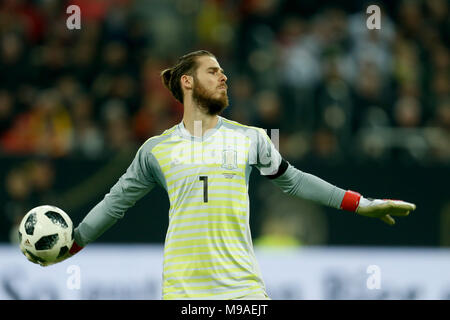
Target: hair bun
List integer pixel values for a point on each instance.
(167, 76)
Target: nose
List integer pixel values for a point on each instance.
(223, 77)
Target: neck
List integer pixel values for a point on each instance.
(197, 122)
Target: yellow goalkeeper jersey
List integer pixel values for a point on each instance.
(208, 252)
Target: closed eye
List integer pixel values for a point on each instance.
(214, 70)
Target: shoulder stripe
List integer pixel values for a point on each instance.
(164, 134)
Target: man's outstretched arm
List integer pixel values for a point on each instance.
(137, 181)
(307, 186)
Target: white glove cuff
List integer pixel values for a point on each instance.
(363, 202)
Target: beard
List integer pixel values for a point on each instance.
(205, 100)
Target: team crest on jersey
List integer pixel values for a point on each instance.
(229, 159)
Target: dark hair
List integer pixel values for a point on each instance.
(186, 64)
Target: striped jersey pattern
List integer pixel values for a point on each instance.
(208, 251)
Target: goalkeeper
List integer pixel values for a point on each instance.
(204, 164)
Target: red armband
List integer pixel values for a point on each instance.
(75, 248)
(350, 202)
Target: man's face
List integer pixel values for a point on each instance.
(210, 88)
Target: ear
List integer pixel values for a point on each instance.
(187, 82)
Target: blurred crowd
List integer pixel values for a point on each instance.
(335, 89)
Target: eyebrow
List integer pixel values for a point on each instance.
(215, 69)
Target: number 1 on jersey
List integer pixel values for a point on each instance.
(205, 187)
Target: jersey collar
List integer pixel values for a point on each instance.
(186, 134)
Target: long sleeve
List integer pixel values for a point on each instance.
(270, 163)
(136, 182)
(309, 187)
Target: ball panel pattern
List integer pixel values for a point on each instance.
(62, 251)
(57, 219)
(47, 242)
(30, 223)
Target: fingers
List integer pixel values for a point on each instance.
(388, 219)
(400, 208)
(44, 264)
(385, 209)
(28, 257)
(403, 204)
(33, 260)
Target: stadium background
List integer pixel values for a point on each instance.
(367, 110)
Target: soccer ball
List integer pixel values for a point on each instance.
(46, 234)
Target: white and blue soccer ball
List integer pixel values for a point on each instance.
(46, 233)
